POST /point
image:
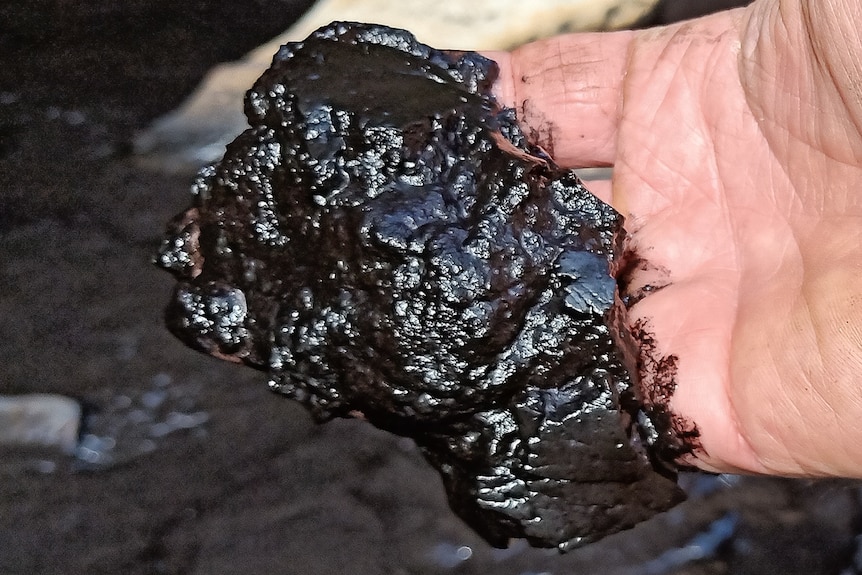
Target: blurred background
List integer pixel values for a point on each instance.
(147, 457)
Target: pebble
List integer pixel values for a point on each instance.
(40, 420)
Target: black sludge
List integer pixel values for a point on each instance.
(385, 243)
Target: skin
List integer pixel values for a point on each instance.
(736, 141)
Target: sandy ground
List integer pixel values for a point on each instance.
(188, 465)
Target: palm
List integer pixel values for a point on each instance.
(746, 213)
(737, 173)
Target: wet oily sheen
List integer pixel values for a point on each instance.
(385, 243)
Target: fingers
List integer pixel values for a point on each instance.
(601, 189)
(567, 91)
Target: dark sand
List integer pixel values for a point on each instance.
(194, 467)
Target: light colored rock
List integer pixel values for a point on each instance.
(40, 420)
(196, 133)
(473, 25)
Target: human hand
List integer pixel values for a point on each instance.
(736, 141)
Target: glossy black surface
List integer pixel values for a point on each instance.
(385, 243)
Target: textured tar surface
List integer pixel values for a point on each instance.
(385, 244)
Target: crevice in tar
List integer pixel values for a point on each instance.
(385, 242)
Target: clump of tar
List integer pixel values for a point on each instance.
(385, 243)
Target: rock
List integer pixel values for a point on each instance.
(40, 420)
(196, 133)
(386, 244)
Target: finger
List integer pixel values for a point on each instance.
(567, 92)
(601, 189)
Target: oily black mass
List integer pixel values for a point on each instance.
(385, 244)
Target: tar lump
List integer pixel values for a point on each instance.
(386, 244)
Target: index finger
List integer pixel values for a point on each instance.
(567, 91)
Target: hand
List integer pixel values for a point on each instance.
(737, 155)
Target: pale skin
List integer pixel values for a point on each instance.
(736, 141)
